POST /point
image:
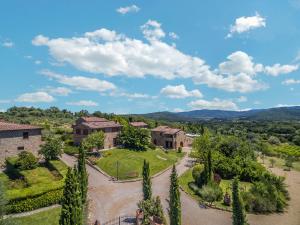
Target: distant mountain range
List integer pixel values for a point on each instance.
(281, 113)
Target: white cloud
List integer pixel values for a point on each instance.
(242, 99)
(8, 44)
(173, 35)
(286, 105)
(278, 69)
(244, 24)
(128, 9)
(179, 91)
(28, 57)
(291, 81)
(60, 91)
(87, 103)
(80, 82)
(37, 62)
(214, 104)
(106, 52)
(35, 97)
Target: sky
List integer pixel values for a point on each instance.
(147, 56)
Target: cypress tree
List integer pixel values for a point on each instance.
(238, 211)
(146, 181)
(174, 204)
(209, 167)
(71, 210)
(82, 175)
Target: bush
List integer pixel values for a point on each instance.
(35, 202)
(197, 170)
(274, 140)
(26, 161)
(179, 149)
(211, 193)
(194, 187)
(52, 149)
(71, 150)
(152, 146)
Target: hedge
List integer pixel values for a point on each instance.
(32, 203)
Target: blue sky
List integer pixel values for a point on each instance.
(145, 56)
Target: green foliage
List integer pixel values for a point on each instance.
(151, 207)
(211, 192)
(71, 210)
(174, 203)
(274, 140)
(207, 173)
(146, 181)
(202, 144)
(94, 140)
(238, 211)
(134, 138)
(52, 149)
(82, 175)
(35, 202)
(26, 161)
(197, 170)
(3, 202)
(71, 150)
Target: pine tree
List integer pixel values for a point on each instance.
(174, 204)
(238, 211)
(82, 175)
(146, 181)
(71, 210)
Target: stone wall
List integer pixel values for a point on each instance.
(12, 142)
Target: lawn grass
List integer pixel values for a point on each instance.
(226, 185)
(280, 163)
(36, 181)
(49, 217)
(130, 162)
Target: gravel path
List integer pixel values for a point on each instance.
(109, 200)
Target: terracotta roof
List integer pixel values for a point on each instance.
(99, 125)
(166, 130)
(138, 124)
(4, 126)
(93, 119)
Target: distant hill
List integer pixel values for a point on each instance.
(282, 113)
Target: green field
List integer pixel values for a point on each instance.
(130, 162)
(285, 149)
(280, 163)
(49, 217)
(36, 181)
(187, 177)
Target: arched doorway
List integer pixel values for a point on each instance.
(181, 144)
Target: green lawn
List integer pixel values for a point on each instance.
(36, 181)
(280, 163)
(131, 162)
(49, 217)
(187, 177)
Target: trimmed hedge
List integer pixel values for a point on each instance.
(35, 202)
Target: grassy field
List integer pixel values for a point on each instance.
(280, 163)
(187, 177)
(286, 149)
(49, 217)
(35, 181)
(130, 162)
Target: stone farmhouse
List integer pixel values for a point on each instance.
(170, 138)
(17, 137)
(86, 125)
(139, 124)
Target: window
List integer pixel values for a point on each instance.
(25, 135)
(85, 132)
(78, 131)
(21, 148)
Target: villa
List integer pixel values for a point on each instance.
(139, 124)
(86, 125)
(18, 137)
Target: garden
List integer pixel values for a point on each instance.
(222, 158)
(126, 164)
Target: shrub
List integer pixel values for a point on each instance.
(152, 146)
(197, 170)
(194, 187)
(35, 202)
(26, 161)
(211, 193)
(227, 199)
(52, 149)
(274, 140)
(179, 149)
(71, 150)
(94, 140)
(217, 178)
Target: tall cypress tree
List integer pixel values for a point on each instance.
(209, 167)
(146, 181)
(71, 210)
(174, 204)
(238, 211)
(82, 175)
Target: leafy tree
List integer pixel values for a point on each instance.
(52, 149)
(82, 175)
(202, 144)
(238, 211)
(26, 161)
(134, 138)
(211, 192)
(207, 174)
(272, 162)
(94, 140)
(71, 210)
(174, 203)
(151, 207)
(197, 170)
(146, 181)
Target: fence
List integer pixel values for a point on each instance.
(121, 220)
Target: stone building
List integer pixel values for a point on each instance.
(139, 124)
(169, 138)
(17, 137)
(86, 125)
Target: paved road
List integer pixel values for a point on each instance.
(109, 200)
